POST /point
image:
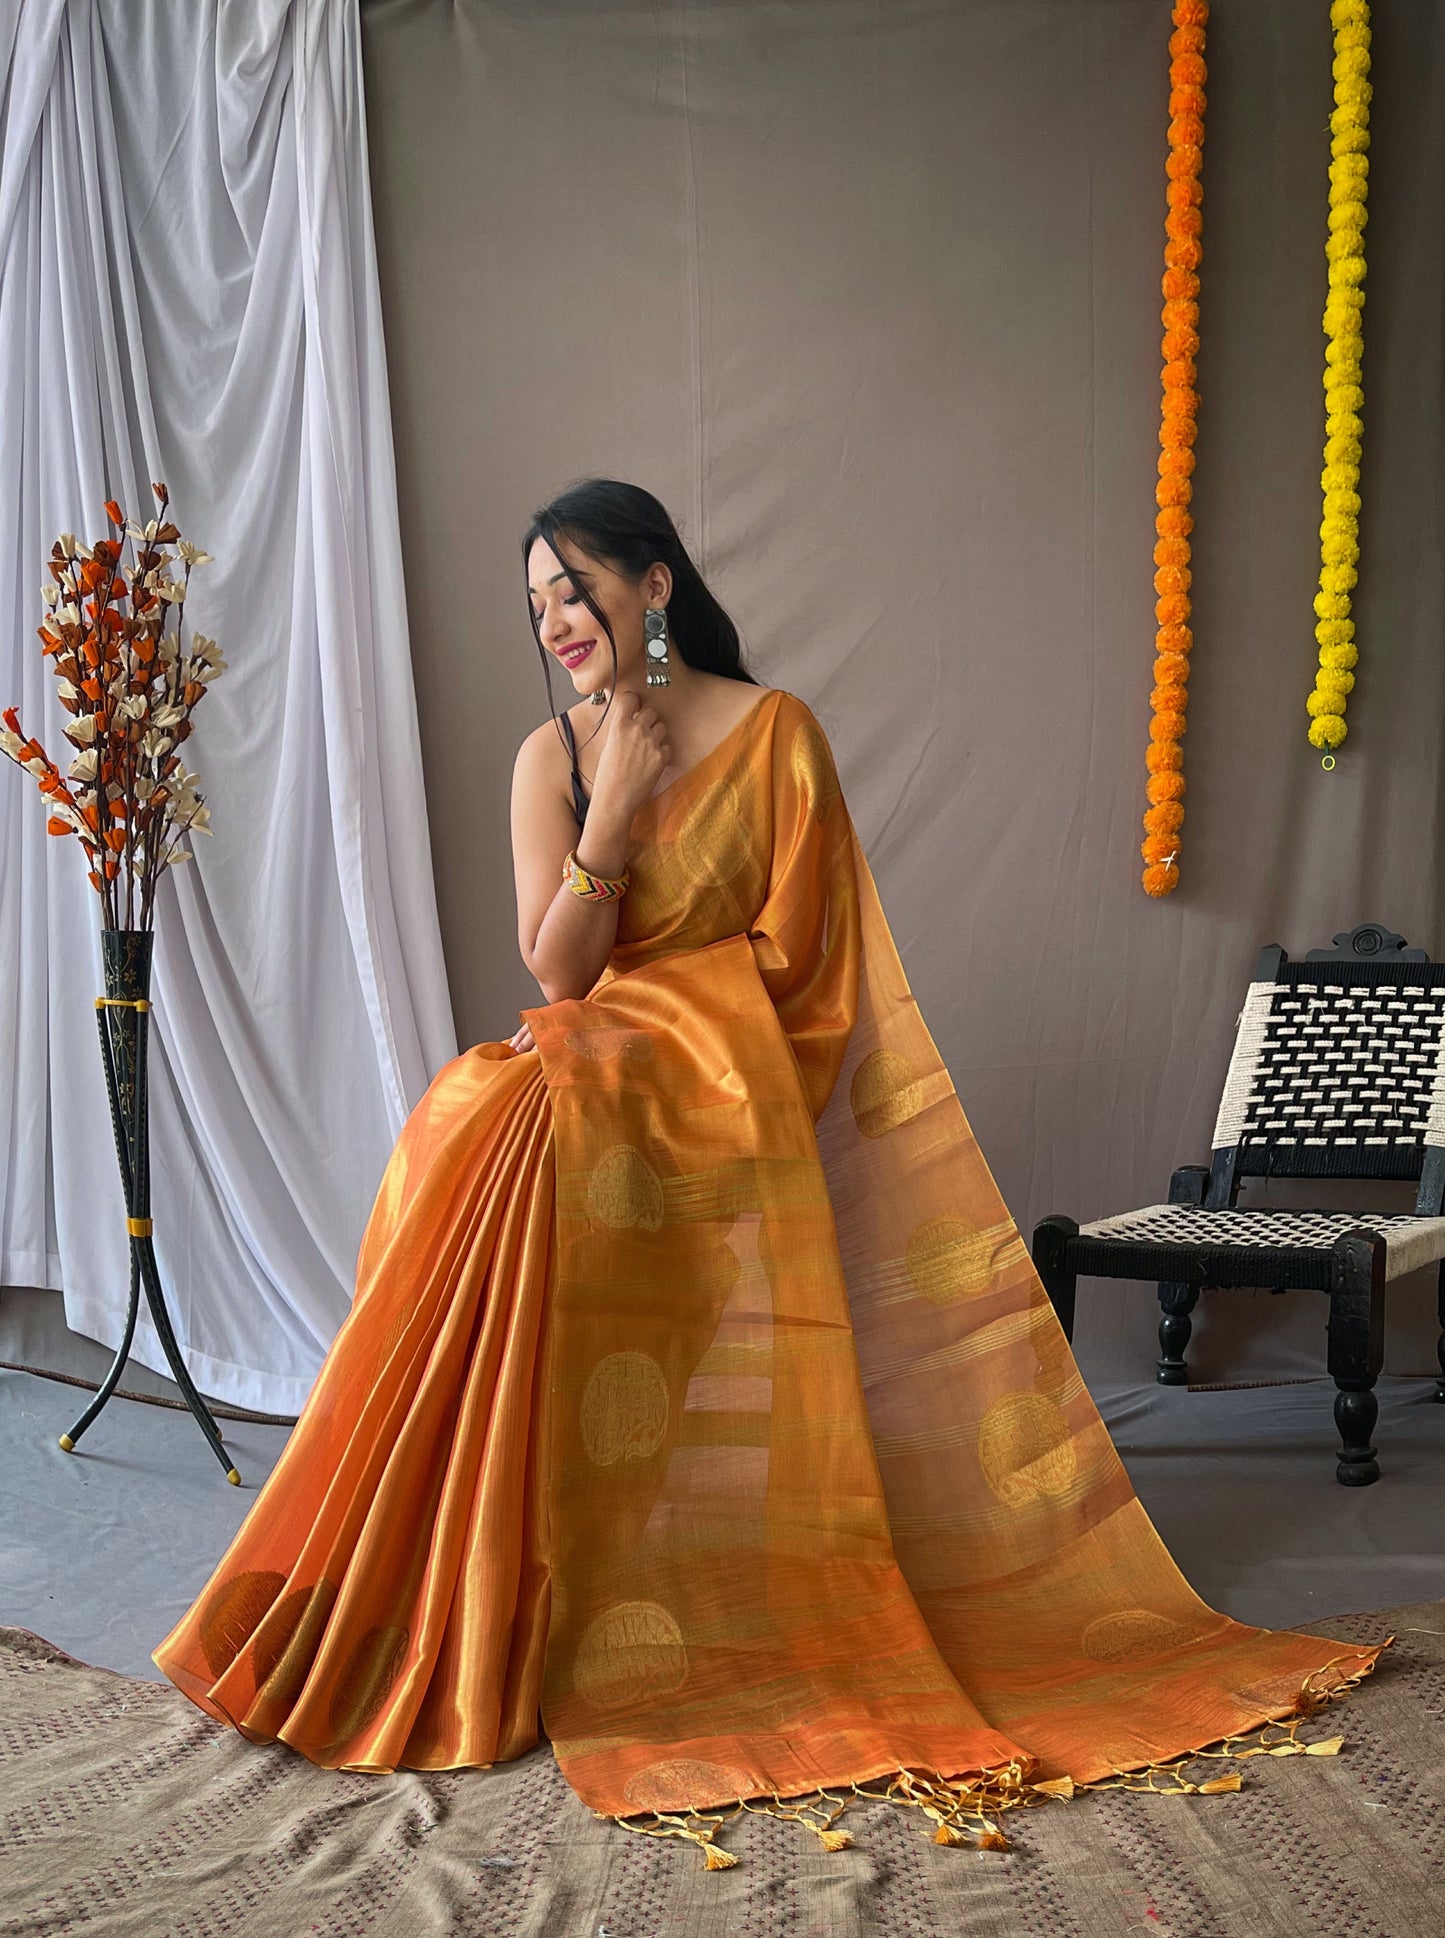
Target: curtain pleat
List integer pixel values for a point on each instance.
(188, 292)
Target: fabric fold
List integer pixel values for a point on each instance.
(384, 1604)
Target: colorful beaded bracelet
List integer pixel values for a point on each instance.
(594, 888)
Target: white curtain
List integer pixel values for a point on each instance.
(188, 292)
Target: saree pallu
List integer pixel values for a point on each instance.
(699, 1388)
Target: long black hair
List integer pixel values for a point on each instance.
(628, 529)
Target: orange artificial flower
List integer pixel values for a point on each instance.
(131, 680)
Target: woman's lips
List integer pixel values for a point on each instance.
(573, 656)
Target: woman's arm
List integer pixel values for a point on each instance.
(566, 940)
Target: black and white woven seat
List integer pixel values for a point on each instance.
(1338, 1071)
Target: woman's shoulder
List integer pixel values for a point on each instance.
(793, 718)
(547, 742)
(789, 709)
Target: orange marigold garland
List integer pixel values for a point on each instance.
(1178, 422)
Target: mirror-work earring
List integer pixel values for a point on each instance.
(654, 644)
(599, 698)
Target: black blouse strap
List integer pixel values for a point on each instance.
(579, 799)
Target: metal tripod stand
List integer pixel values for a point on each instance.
(123, 1018)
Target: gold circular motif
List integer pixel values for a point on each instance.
(685, 1783)
(286, 1647)
(1131, 1632)
(814, 774)
(947, 1257)
(1025, 1449)
(624, 1190)
(599, 1044)
(714, 842)
(633, 1651)
(884, 1093)
(365, 1682)
(624, 1409)
(234, 1613)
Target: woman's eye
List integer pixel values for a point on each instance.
(568, 599)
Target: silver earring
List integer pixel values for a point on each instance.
(599, 698)
(654, 644)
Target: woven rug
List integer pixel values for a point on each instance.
(124, 1810)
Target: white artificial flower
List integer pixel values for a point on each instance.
(81, 730)
(155, 744)
(133, 706)
(192, 554)
(50, 592)
(181, 854)
(168, 716)
(83, 767)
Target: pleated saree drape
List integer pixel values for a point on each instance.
(699, 1387)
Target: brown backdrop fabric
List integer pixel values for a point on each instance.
(868, 295)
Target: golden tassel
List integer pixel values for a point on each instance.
(695, 1826)
(962, 1808)
(1320, 1687)
(819, 1804)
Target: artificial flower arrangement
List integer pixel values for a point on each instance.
(1178, 427)
(1343, 376)
(114, 632)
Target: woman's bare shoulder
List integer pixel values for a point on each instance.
(545, 746)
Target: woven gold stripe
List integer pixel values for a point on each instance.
(121, 1002)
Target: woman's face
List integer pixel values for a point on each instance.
(567, 628)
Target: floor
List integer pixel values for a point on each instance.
(102, 1550)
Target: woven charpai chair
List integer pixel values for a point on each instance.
(1338, 1072)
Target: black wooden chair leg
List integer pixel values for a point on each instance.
(1439, 1393)
(1357, 1350)
(1177, 1302)
(1050, 1255)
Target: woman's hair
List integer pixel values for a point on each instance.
(629, 529)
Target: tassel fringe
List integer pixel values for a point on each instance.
(962, 1809)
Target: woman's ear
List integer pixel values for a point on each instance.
(659, 584)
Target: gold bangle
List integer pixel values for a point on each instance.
(594, 888)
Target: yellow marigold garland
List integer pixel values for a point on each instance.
(1183, 252)
(1344, 394)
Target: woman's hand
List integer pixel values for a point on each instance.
(634, 755)
(522, 1039)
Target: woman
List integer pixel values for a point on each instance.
(698, 1387)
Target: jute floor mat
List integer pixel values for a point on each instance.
(125, 1811)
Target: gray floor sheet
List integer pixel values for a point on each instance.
(103, 1549)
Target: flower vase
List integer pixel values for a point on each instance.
(123, 1017)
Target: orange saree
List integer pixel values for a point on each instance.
(699, 1390)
